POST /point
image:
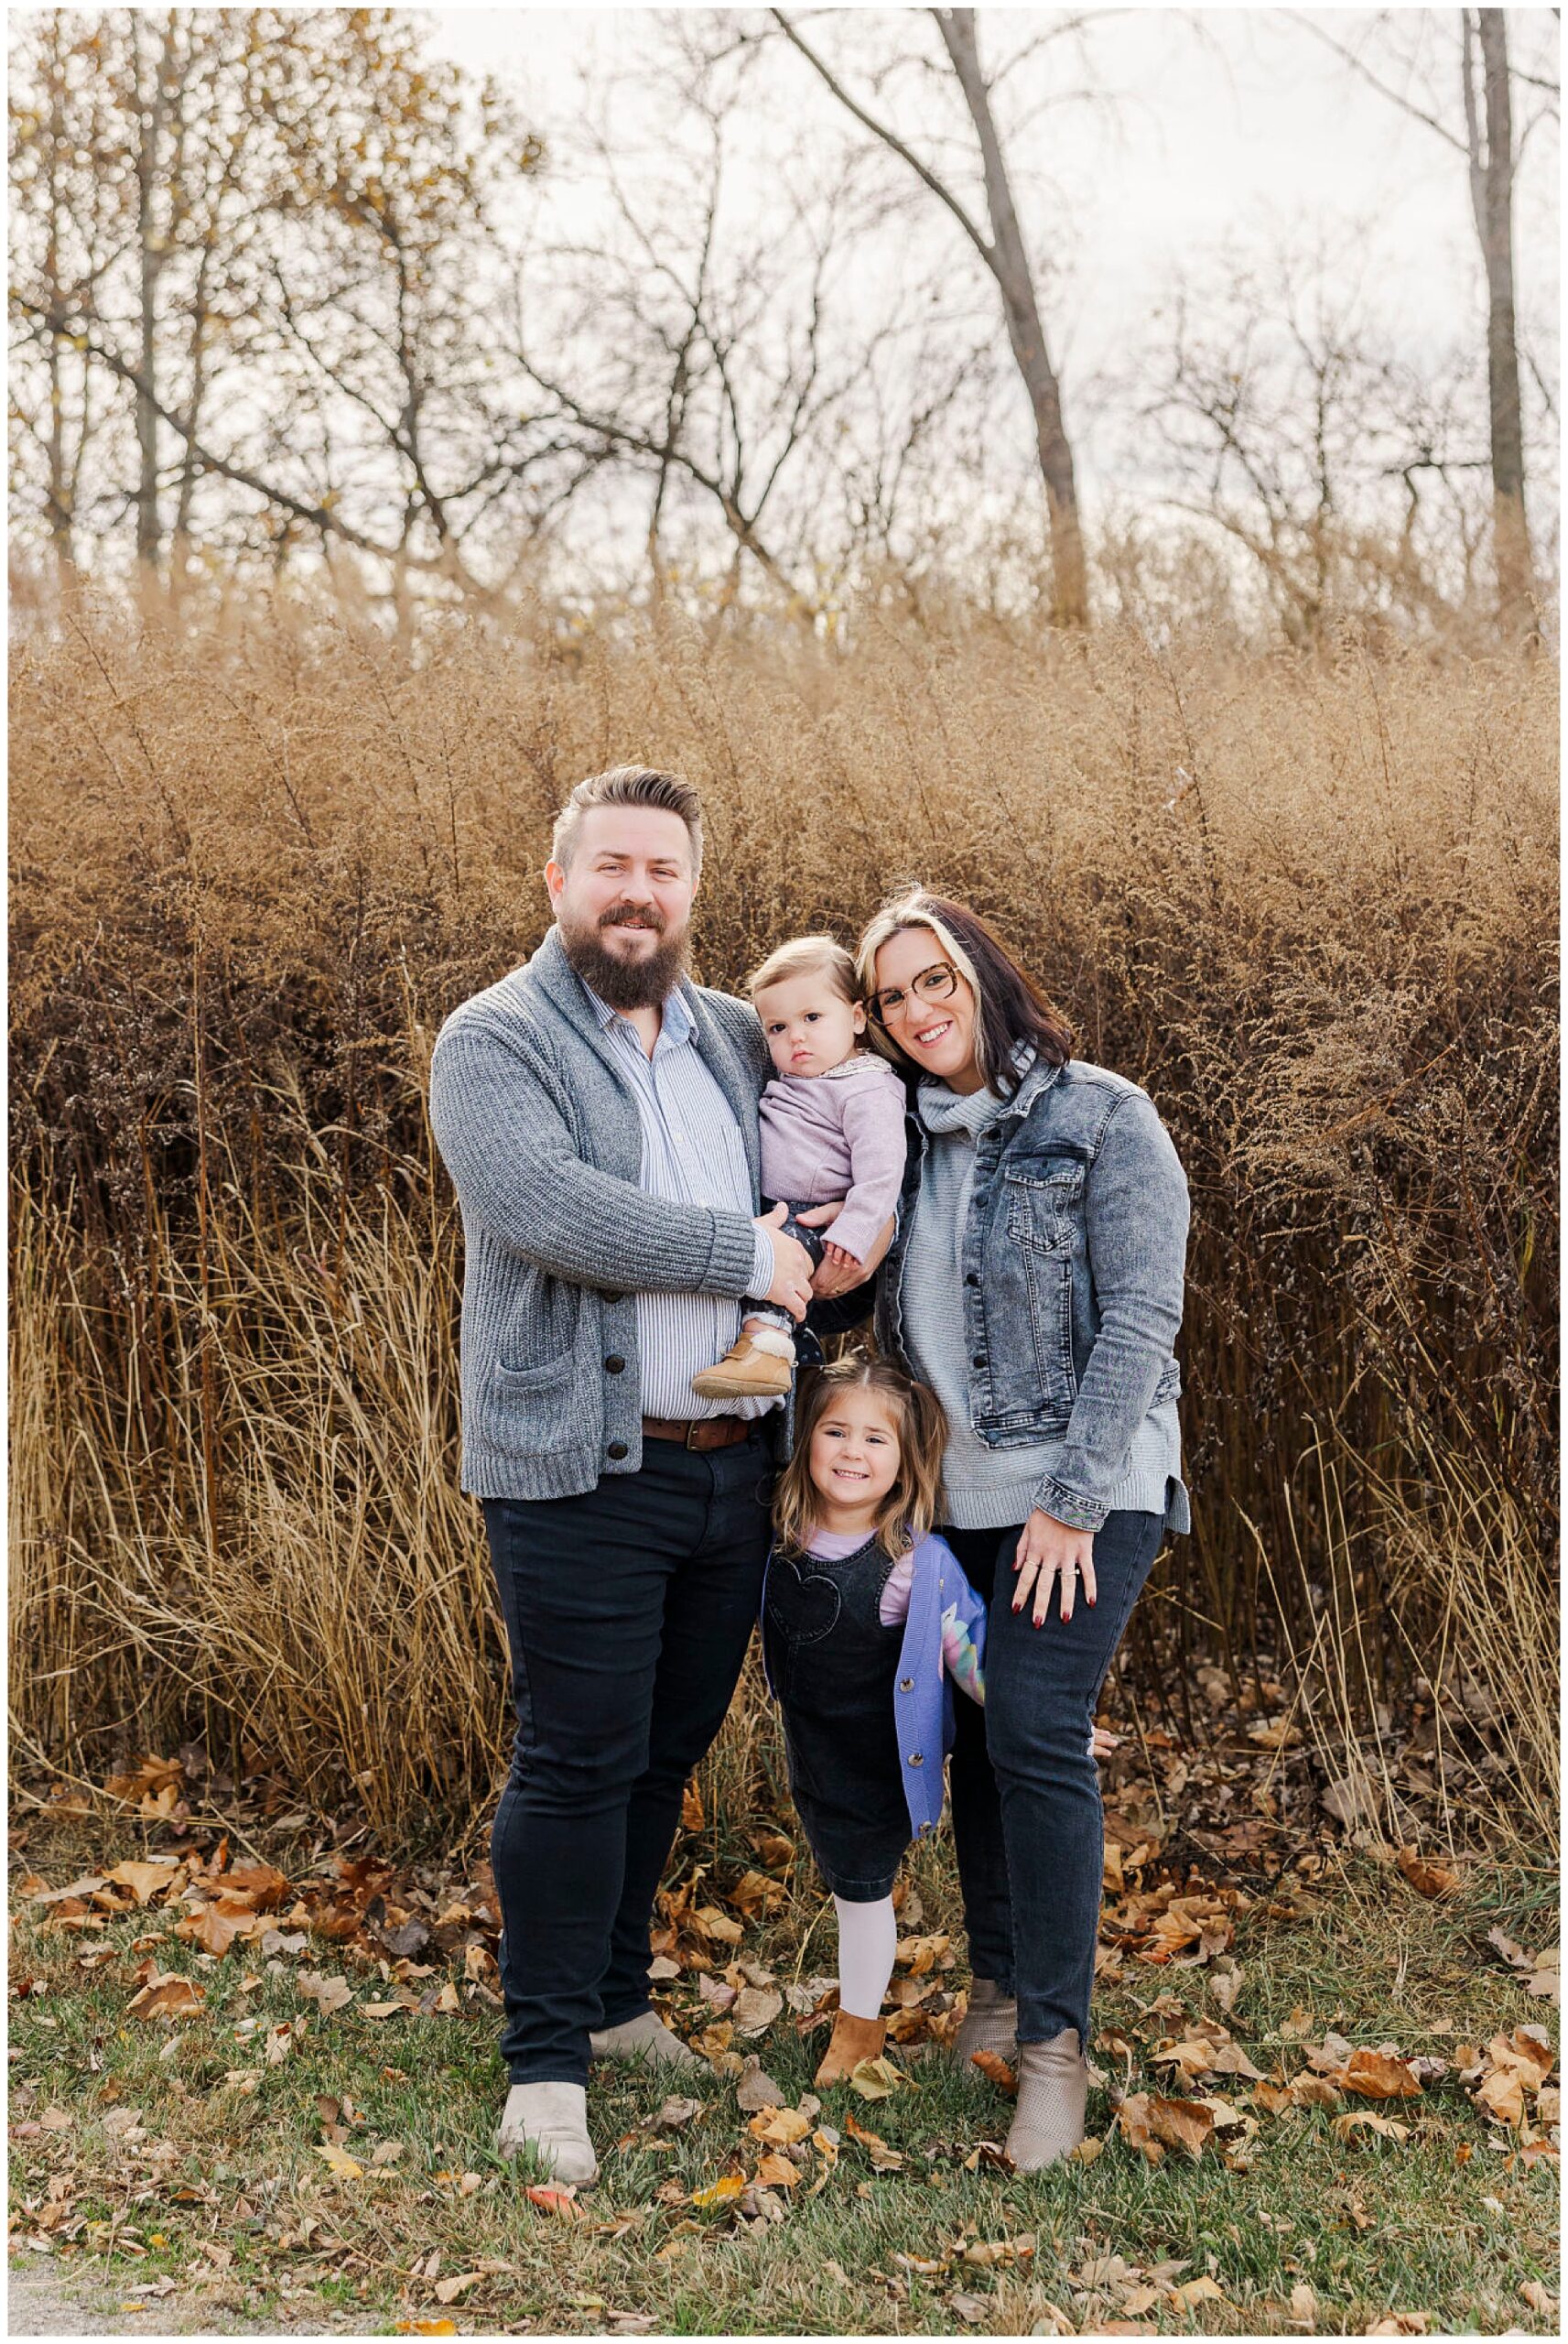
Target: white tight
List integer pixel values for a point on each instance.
(867, 1939)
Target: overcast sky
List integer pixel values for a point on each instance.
(1232, 123)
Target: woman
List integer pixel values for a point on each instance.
(1036, 1283)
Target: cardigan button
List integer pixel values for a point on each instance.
(918, 1758)
(906, 1683)
(617, 1449)
(614, 1364)
(978, 1359)
(972, 1278)
(615, 1298)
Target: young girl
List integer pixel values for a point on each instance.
(867, 1622)
(865, 1618)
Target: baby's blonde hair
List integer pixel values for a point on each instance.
(806, 956)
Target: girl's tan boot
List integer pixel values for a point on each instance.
(1053, 2092)
(853, 2040)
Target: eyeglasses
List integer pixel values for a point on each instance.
(933, 984)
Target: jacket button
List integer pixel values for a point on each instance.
(617, 1449)
(614, 1364)
(978, 1359)
(918, 1758)
(906, 1683)
(972, 1278)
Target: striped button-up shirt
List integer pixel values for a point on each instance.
(692, 1153)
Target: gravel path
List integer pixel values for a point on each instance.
(43, 2299)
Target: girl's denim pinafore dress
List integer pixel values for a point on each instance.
(833, 1667)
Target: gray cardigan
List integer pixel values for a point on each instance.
(542, 1139)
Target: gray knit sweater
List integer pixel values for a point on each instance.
(540, 1133)
(984, 1488)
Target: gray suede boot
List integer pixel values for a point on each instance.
(646, 2037)
(1053, 2092)
(552, 2121)
(990, 2023)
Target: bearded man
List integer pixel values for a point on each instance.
(598, 1114)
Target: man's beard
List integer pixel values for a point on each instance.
(642, 983)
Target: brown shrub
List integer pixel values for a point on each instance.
(1308, 901)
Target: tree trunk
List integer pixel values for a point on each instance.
(1492, 188)
(1010, 264)
(149, 133)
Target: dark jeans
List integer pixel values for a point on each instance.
(628, 1611)
(1028, 1828)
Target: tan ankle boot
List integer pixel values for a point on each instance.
(1053, 2092)
(762, 1363)
(853, 2040)
(990, 2023)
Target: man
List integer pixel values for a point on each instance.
(598, 1114)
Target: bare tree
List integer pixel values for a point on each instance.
(1484, 82)
(1005, 255)
(1346, 478)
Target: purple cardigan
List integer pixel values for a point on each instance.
(837, 1135)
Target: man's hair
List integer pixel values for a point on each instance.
(913, 1504)
(1011, 1008)
(807, 956)
(629, 785)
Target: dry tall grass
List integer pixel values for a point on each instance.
(1309, 901)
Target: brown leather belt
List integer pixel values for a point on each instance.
(699, 1432)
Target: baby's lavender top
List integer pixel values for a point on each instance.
(837, 1135)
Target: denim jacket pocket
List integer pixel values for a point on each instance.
(1045, 1207)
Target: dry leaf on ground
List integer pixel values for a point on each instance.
(994, 2067)
(875, 2078)
(166, 1995)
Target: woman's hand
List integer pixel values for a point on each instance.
(1048, 1549)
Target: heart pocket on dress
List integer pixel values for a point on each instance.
(802, 1605)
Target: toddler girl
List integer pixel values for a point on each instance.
(866, 1616)
(832, 1126)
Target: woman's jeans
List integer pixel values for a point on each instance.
(628, 1612)
(1027, 1822)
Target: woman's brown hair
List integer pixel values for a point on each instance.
(1009, 1007)
(909, 1510)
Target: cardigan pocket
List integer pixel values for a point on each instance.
(534, 1406)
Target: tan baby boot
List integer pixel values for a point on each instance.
(1053, 2092)
(853, 2040)
(760, 1364)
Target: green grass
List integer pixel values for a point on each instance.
(1372, 2228)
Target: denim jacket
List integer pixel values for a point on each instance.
(1072, 1262)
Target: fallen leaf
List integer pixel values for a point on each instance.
(1402, 2323)
(1304, 2305)
(708, 1921)
(875, 2078)
(144, 1880)
(328, 1994)
(691, 1808)
(1180, 2123)
(716, 1992)
(1197, 2290)
(780, 2126)
(777, 2172)
(661, 1970)
(756, 2007)
(346, 2168)
(1371, 2074)
(382, 2010)
(1345, 2127)
(756, 2089)
(674, 2114)
(168, 1995)
(720, 2192)
(1538, 2297)
(883, 2159)
(1426, 1877)
(58, 2120)
(426, 2328)
(754, 1893)
(550, 2199)
(994, 2067)
(213, 1931)
(447, 2291)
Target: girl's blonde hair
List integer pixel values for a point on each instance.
(803, 956)
(909, 1510)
